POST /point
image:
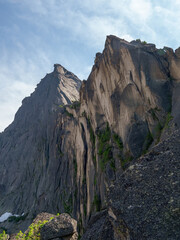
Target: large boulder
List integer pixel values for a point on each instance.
(60, 227)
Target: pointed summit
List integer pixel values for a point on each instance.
(30, 149)
(59, 68)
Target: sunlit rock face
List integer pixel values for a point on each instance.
(128, 82)
(63, 153)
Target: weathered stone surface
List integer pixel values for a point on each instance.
(59, 227)
(40, 218)
(105, 225)
(29, 150)
(147, 195)
(144, 202)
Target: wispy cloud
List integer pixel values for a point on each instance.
(93, 20)
(19, 75)
(43, 32)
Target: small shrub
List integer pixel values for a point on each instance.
(75, 105)
(148, 141)
(101, 147)
(84, 114)
(104, 149)
(106, 156)
(105, 135)
(21, 236)
(4, 236)
(118, 141)
(139, 40)
(33, 233)
(161, 52)
(169, 117)
(61, 106)
(68, 113)
(125, 160)
(144, 42)
(92, 136)
(153, 114)
(112, 164)
(157, 130)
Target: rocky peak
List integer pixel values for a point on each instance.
(177, 52)
(28, 142)
(59, 69)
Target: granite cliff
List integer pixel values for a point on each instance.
(65, 154)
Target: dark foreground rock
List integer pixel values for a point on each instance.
(105, 225)
(144, 202)
(60, 227)
(48, 226)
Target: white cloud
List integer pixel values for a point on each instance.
(177, 2)
(19, 75)
(140, 9)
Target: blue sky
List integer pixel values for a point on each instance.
(35, 34)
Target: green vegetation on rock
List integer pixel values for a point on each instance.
(4, 236)
(153, 114)
(118, 141)
(75, 105)
(157, 130)
(169, 117)
(33, 231)
(112, 164)
(92, 135)
(106, 156)
(148, 141)
(104, 148)
(105, 135)
(68, 114)
(97, 202)
(161, 51)
(125, 160)
(142, 42)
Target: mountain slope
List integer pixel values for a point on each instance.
(144, 201)
(28, 147)
(66, 158)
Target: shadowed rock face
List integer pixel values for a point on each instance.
(64, 159)
(28, 147)
(143, 203)
(60, 227)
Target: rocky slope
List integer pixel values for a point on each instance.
(67, 158)
(144, 201)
